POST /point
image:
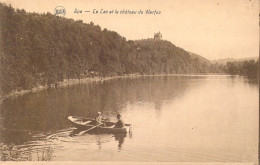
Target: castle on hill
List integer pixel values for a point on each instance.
(157, 36)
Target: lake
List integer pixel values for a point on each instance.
(181, 118)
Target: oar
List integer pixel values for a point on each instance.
(82, 132)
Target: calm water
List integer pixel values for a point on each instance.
(175, 118)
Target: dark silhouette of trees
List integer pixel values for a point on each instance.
(43, 49)
(246, 68)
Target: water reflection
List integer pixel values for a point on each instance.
(120, 138)
(48, 110)
(163, 109)
(99, 144)
(253, 82)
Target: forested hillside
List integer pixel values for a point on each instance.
(42, 49)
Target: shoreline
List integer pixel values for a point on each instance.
(64, 83)
(68, 82)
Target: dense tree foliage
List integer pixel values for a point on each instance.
(43, 49)
(248, 68)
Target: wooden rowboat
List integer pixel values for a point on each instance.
(87, 123)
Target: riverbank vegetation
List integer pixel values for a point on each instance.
(244, 68)
(43, 49)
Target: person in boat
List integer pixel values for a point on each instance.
(119, 123)
(99, 119)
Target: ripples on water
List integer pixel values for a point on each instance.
(175, 118)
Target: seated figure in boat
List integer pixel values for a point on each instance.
(99, 119)
(119, 123)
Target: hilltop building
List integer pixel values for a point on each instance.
(158, 36)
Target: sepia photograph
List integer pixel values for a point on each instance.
(129, 82)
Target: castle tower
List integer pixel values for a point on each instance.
(158, 36)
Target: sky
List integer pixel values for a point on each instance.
(214, 29)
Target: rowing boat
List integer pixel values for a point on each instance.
(83, 123)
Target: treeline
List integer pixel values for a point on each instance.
(43, 49)
(246, 68)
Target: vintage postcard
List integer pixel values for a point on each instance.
(129, 82)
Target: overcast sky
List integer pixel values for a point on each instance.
(211, 28)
